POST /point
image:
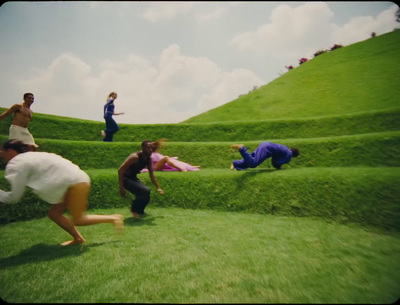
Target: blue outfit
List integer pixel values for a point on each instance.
(111, 126)
(279, 154)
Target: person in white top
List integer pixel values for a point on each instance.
(55, 180)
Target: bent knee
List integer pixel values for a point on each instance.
(145, 192)
(79, 221)
(52, 215)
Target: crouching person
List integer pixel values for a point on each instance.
(128, 180)
(55, 180)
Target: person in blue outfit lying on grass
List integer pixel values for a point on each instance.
(279, 154)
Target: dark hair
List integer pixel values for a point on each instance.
(26, 94)
(19, 146)
(145, 142)
(295, 152)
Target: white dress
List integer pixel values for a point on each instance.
(47, 174)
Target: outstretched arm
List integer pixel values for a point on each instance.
(17, 178)
(11, 110)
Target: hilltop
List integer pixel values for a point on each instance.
(359, 77)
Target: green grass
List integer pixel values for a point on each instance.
(367, 196)
(359, 77)
(53, 127)
(372, 149)
(195, 256)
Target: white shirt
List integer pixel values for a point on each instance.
(47, 174)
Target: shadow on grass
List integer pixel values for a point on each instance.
(43, 252)
(249, 173)
(145, 219)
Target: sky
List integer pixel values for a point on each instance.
(167, 61)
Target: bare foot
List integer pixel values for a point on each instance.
(103, 134)
(232, 167)
(73, 242)
(237, 146)
(135, 215)
(119, 222)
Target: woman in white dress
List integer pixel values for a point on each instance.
(55, 180)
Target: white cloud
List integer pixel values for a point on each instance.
(299, 32)
(174, 89)
(159, 11)
(360, 28)
(290, 32)
(213, 15)
(231, 85)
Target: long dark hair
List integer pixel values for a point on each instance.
(19, 146)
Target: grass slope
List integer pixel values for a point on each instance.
(359, 77)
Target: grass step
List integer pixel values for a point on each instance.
(55, 127)
(373, 149)
(368, 196)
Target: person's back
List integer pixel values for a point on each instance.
(42, 171)
(280, 154)
(44, 163)
(109, 109)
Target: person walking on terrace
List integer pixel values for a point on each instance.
(55, 180)
(128, 180)
(22, 117)
(111, 126)
(279, 154)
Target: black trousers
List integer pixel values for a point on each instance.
(141, 191)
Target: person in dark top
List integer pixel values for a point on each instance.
(280, 154)
(128, 180)
(111, 126)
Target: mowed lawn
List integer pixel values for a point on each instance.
(177, 255)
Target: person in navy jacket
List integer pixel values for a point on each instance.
(111, 126)
(279, 154)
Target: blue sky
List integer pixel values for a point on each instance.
(168, 61)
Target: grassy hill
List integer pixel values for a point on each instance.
(359, 77)
(341, 109)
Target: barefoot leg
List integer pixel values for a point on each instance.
(76, 201)
(55, 214)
